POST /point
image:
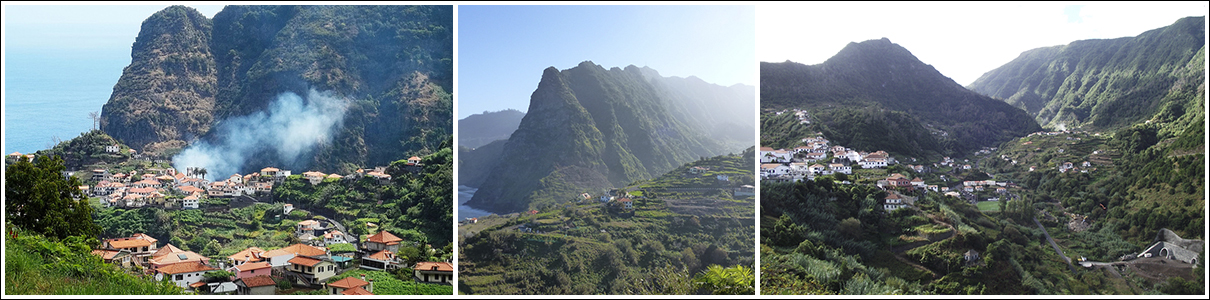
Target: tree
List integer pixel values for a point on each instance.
(38, 197)
(851, 227)
(94, 116)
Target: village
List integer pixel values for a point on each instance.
(325, 251)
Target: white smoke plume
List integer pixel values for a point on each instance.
(290, 126)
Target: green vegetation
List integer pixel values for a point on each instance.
(1108, 84)
(38, 197)
(418, 205)
(88, 149)
(593, 129)
(683, 236)
(875, 95)
(399, 283)
(40, 265)
(189, 72)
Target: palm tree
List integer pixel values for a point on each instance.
(737, 280)
(201, 171)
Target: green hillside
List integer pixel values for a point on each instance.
(589, 128)
(865, 83)
(1109, 83)
(682, 224)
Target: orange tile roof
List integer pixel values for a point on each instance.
(251, 252)
(357, 291)
(166, 250)
(348, 283)
(428, 266)
(384, 237)
(105, 254)
(178, 257)
(258, 281)
(189, 267)
(381, 255)
(189, 189)
(414, 158)
(253, 266)
(303, 260)
(197, 284)
(124, 243)
(296, 249)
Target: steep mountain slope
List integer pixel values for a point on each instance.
(1110, 83)
(166, 94)
(477, 130)
(872, 77)
(390, 65)
(590, 129)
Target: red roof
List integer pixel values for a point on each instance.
(381, 255)
(348, 283)
(188, 267)
(305, 261)
(428, 266)
(296, 249)
(253, 254)
(258, 281)
(357, 291)
(123, 243)
(253, 266)
(384, 237)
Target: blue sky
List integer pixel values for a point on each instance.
(962, 40)
(502, 50)
(79, 26)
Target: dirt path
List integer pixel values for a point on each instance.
(1056, 246)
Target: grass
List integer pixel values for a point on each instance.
(37, 266)
(989, 206)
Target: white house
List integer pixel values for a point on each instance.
(186, 275)
(112, 148)
(840, 168)
(893, 202)
(767, 170)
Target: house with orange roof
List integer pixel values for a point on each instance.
(255, 285)
(381, 260)
(251, 254)
(119, 257)
(334, 237)
(626, 203)
(350, 286)
(186, 275)
(314, 177)
(434, 272)
(171, 255)
(414, 160)
(139, 245)
(189, 189)
(310, 271)
(383, 240)
(306, 227)
(251, 269)
(281, 257)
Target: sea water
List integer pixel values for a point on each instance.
(49, 93)
(464, 194)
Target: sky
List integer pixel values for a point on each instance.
(502, 50)
(961, 40)
(79, 26)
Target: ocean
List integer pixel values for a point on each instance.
(464, 194)
(49, 93)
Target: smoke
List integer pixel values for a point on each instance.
(290, 127)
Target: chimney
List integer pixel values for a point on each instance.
(363, 276)
(247, 257)
(371, 287)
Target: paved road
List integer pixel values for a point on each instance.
(1056, 246)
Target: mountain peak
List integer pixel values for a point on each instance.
(880, 51)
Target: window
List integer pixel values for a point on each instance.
(180, 277)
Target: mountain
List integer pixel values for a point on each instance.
(166, 94)
(477, 130)
(1108, 83)
(591, 129)
(191, 78)
(871, 80)
(475, 164)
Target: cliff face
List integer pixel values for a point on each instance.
(166, 95)
(1107, 84)
(392, 64)
(590, 129)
